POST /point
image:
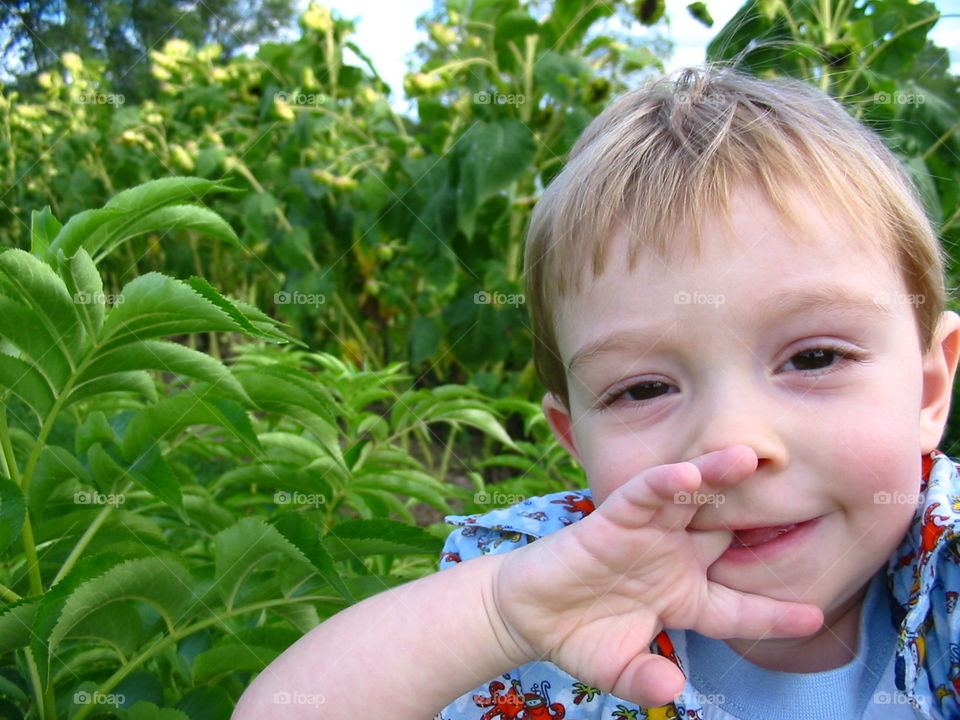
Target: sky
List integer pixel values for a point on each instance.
(387, 32)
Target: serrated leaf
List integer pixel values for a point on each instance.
(240, 548)
(155, 305)
(306, 537)
(167, 357)
(118, 625)
(34, 284)
(172, 414)
(357, 538)
(164, 585)
(52, 602)
(15, 623)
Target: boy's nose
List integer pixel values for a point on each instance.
(732, 410)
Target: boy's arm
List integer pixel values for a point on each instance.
(376, 654)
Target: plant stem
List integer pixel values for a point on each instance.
(87, 537)
(9, 594)
(175, 637)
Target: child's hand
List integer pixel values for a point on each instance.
(591, 598)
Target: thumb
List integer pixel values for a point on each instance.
(735, 614)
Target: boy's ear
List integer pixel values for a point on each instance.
(559, 418)
(939, 368)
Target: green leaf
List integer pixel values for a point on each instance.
(117, 625)
(699, 12)
(12, 512)
(149, 470)
(138, 382)
(356, 538)
(78, 228)
(173, 217)
(169, 416)
(84, 282)
(491, 156)
(215, 298)
(43, 229)
(306, 538)
(228, 659)
(23, 327)
(15, 622)
(52, 603)
(206, 702)
(24, 381)
(34, 284)
(423, 341)
(164, 585)
(167, 357)
(155, 305)
(145, 710)
(240, 548)
(480, 419)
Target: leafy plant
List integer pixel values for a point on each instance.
(171, 523)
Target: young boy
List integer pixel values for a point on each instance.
(737, 309)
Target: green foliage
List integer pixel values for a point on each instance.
(377, 237)
(225, 420)
(118, 33)
(171, 522)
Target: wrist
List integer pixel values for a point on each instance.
(515, 649)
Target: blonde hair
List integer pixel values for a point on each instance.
(664, 155)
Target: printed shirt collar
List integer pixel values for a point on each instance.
(920, 576)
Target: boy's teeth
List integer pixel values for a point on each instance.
(757, 536)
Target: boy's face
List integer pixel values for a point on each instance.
(801, 344)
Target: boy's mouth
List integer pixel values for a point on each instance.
(758, 536)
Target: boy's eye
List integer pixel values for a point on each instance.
(647, 390)
(816, 358)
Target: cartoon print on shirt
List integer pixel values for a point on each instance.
(923, 579)
(537, 705)
(584, 692)
(576, 503)
(503, 706)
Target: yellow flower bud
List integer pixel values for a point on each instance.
(72, 62)
(317, 17)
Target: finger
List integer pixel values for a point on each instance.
(649, 681)
(709, 545)
(736, 614)
(650, 498)
(726, 467)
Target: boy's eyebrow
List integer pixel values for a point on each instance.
(834, 299)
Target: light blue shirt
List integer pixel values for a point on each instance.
(908, 663)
